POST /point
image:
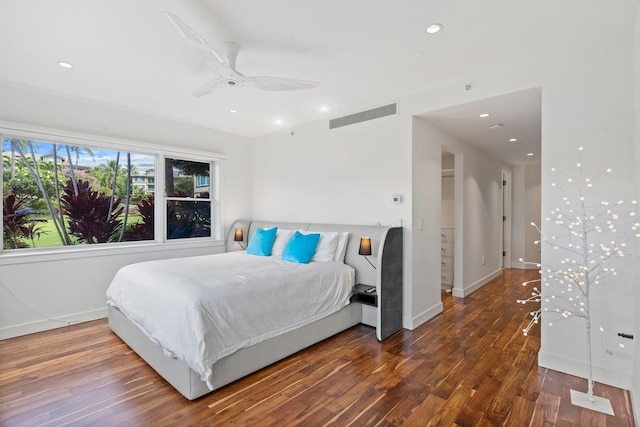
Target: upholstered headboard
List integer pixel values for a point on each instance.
(364, 272)
(386, 256)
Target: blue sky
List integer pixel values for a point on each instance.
(100, 156)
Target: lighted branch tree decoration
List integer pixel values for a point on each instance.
(592, 237)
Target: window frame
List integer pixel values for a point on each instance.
(214, 199)
(159, 152)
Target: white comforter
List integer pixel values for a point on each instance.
(201, 309)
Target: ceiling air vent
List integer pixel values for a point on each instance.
(363, 116)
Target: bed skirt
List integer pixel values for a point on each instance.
(237, 365)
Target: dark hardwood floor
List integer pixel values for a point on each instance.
(469, 366)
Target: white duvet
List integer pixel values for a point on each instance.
(201, 309)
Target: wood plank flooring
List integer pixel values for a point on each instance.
(469, 366)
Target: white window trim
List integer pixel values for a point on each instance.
(160, 151)
(214, 197)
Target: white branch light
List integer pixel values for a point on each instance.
(593, 237)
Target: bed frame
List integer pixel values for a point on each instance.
(386, 243)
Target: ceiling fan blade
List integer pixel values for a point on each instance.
(196, 41)
(278, 83)
(208, 88)
(232, 53)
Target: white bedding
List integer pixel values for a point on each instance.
(201, 309)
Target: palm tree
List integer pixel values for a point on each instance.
(6, 161)
(77, 150)
(32, 165)
(105, 175)
(10, 162)
(127, 196)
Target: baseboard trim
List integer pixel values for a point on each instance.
(461, 293)
(423, 317)
(576, 368)
(522, 266)
(53, 323)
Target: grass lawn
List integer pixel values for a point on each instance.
(51, 238)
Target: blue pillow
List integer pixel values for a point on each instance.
(262, 241)
(301, 247)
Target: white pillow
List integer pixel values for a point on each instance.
(326, 250)
(341, 250)
(282, 238)
(327, 245)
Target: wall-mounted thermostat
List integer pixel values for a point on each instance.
(397, 199)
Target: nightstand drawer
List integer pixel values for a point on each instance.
(446, 249)
(446, 235)
(446, 263)
(446, 277)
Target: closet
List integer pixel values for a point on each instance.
(447, 221)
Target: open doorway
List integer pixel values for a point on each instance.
(495, 141)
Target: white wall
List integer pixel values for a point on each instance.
(588, 101)
(344, 175)
(74, 289)
(526, 209)
(532, 214)
(424, 251)
(636, 295)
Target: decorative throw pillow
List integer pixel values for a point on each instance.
(262, 241)
(301, 247)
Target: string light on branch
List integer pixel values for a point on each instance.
(585, 258)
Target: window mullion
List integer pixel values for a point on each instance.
(161, 203)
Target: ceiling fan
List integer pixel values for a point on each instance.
(225, 73)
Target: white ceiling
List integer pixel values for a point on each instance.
(363, 52)
(512, 116)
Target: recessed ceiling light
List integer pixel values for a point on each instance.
(513, 139)
(433, 28)
(233, 111)
(495, 125)
(530, 154)
(324, 108)
(483, 115)
(64, 64)
(278, 121)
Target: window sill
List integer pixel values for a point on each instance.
(90, 251)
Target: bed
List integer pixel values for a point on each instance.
(147, 327)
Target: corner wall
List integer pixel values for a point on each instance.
(635, 388)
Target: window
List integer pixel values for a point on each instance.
(68, 191)
(188, 203)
